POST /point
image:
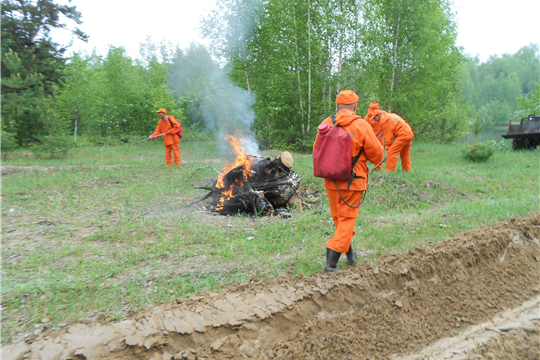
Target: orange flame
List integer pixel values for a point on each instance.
(226, 196)
(242, 159)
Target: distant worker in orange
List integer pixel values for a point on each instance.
(398, 136)
(344, 216)
(374, 124)
(171, 130)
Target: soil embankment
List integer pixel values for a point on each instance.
(394, 308)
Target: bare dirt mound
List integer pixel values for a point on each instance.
(397, 306)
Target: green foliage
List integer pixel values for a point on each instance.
(114, 97)
(31, 62)
(502, 85)
(528, 104)
(26, 26)
(478, 153)
(8, 143)
(496, 112)
(22, 99)
(410, 47)
(299, 54)
(52, 146)
(453, 121)
(477, 126)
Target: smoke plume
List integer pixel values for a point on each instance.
(225, 108)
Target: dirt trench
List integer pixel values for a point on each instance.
(396, 307)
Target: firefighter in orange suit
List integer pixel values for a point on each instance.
(374, 124)
(363, 139)
(394, 127)
(172, 130)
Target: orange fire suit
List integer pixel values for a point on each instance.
(171, 140)
(344, 217)
(394, 127)
(374, 124)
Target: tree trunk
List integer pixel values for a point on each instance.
(309, 69)
(298, 67)
(75, 132)
(394, 64)
(338, 88)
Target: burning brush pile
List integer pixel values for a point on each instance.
(253, 184)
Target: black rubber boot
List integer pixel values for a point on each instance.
(351, 256)
(332, 258)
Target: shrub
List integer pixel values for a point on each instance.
(8, 143)
(479, 153)
(52, 146)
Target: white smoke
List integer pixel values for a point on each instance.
(226, 108)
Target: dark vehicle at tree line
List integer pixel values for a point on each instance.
(526, 134)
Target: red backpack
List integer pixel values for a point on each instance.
(180, 133)
(332, 155)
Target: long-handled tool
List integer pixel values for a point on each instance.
(153, 137)
(376, 166)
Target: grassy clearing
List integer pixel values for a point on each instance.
(87, 239)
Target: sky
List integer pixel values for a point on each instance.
(485, 28)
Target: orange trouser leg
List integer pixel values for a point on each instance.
(405, 156)
(176, 152)
(344, 218)
(394, 151)
(168, 157)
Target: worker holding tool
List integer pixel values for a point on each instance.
(365, 143)
(394, 127)
(374, 124)
(171, 130)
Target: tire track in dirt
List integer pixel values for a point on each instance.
(397, 306)
(496, 336)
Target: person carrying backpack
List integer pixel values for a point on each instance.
(171, 129)
(345, 194)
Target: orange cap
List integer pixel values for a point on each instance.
(162, 111)
(347, 97)
(373, 106)
(376, 112)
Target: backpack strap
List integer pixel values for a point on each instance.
(172, 125)
(333, 120)
(353, 175)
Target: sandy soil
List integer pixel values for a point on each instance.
(520, 343)
(402, 306)
(512, 334)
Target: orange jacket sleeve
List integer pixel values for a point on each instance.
(373, 148)
(159, 128)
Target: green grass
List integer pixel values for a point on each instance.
(89, 238)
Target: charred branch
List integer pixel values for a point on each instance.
(269, 185)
